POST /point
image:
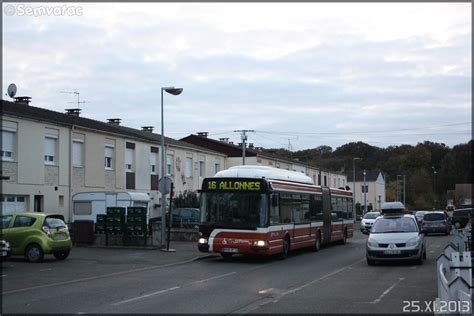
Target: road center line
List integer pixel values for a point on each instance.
(387, 291)
(147, 295)
(215, 277)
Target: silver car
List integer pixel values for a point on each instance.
(367, 221)
(395, 238)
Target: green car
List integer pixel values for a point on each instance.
(36, 234)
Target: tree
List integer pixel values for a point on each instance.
(186, 199)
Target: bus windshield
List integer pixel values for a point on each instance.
(234, 209)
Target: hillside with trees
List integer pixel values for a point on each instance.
(431, 169)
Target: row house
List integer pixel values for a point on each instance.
(256, 156)
(47, 157)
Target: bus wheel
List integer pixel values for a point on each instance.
(226, 255)
(344, 237)
(317, 244)
(286, 248)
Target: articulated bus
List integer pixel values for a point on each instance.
(268, 211)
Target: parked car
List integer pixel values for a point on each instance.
(394, 238)
(182, 217)
(5, 249)
(460, 217)
(367, 221)
(419, 216)
(436, 222)
(35, 234)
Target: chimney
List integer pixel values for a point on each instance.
(259, 148)
(147, 129)
(251, 146)
(114, 121)
(73, 112)
(225, 140)
(232, 143)
(23, 100)
(203, 134)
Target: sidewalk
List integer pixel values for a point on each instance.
(185, 251)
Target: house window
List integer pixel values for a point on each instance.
(169, 165)
(109, 157)
(153, 163)
(129, 158)
(188, 167)
(7, 145)
(217, 166)
(366, 188)
(77, 153)
(202, 167)
(50, 144)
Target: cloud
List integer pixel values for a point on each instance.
(287, 68)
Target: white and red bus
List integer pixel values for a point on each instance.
(267, 211)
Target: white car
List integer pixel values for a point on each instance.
(367, 221)
(394, 238)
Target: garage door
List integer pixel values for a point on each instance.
(13, 203)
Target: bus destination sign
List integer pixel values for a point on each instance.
(226, 184)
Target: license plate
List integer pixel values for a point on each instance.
(231, 250)
(392, 252)
(59, 236)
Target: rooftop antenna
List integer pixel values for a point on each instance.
(78, 100)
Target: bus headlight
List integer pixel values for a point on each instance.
(202, 241)
(259, 243)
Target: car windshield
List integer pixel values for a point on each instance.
(433, 217)
(420, 213)
(371, 215)
(394, 225)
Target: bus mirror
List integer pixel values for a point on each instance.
(274, 200)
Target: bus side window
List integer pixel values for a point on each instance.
(274, 209)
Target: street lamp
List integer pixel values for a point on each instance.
(398, 198)
(354, 185)
(365, 194)
(173, 91)
(434, 186)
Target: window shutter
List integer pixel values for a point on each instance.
(77, 153)
(50, 146)
(109, 151)
(7, 141)
(188, 167)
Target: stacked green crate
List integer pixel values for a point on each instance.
(115, 220)
(136, 221)
(101, 224)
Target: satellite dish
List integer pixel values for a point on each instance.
(12, 90)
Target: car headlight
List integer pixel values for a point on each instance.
(372, 242)
(412, 242)
(202, 241)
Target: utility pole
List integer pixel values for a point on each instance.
(243, 136)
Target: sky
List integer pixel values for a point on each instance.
(299, 75)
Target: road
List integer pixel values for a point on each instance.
(333, 280)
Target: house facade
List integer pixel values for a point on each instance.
(372, 194)
(48, 157)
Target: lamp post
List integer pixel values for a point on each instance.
(173, 91)
(404, 191)
(365, 194)
(353, 185)
(398, 198)
(434, 186)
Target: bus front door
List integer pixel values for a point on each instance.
(327, 218)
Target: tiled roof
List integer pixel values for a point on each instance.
(31, 112)
(370, 175)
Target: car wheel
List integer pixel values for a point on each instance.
(61, 255)
(457, 225)
(424, 254)
(317, 244)
(344, 237)
(286, 248)
(34, 253)
(370, 262)
(419, 261)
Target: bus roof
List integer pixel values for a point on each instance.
(259, 172)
